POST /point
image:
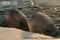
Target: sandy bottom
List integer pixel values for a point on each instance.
(16, 34)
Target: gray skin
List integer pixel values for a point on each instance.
(43, 24)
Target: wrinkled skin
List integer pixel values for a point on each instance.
(43, 24)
